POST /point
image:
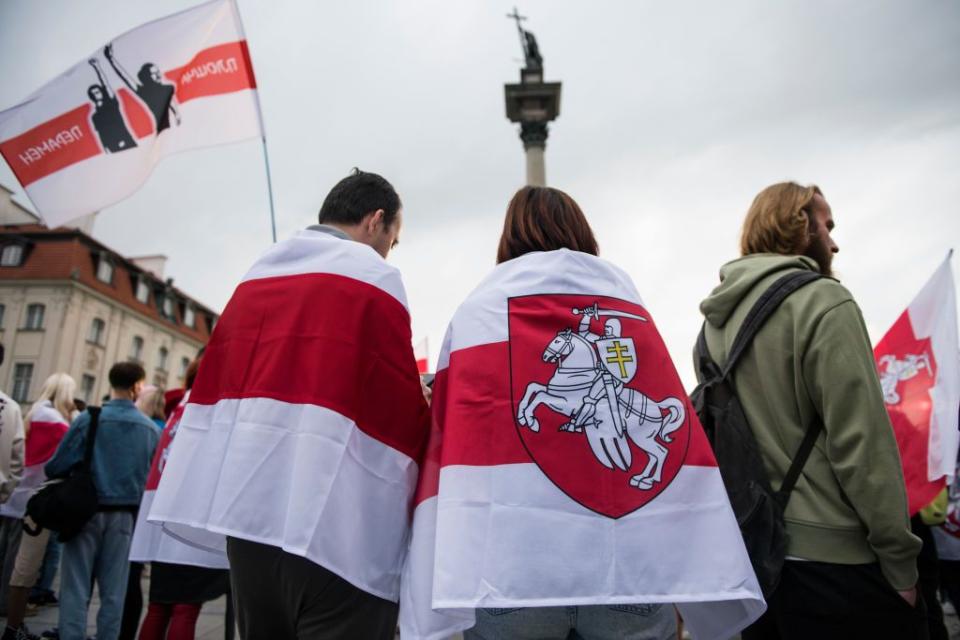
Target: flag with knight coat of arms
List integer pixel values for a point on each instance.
(566, 465)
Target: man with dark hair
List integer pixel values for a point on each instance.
(313, 465)
(851, 568)
(364, 207)
(122, 452)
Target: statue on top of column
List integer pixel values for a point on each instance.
(528, 41)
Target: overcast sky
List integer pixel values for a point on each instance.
(673, 116)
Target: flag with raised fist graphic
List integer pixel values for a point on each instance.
(92, 136)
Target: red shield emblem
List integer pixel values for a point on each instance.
(596, 399)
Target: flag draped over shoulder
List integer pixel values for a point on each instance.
(306, 421)
(92, 136)
(150, 542)
(565, 464)
(919, 365)
(45, 431)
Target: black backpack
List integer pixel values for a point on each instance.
(65, 505)
(758, 508)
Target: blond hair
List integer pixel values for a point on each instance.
(59, 390)
(778, 220)
(150, 402)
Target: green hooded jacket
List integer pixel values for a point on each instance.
(813, 361)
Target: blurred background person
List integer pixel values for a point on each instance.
(45, 425)
(11, 470)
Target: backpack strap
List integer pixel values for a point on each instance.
(796, 466)
(758, 315)
(91, 436)
(761, 311)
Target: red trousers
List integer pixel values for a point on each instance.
(170, 621)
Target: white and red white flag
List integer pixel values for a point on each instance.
(421, 352)
(306, 422)
(919, 370)
(151, 543)
(92, 136)
(45, 429)
(566, 465)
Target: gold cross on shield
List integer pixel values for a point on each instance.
(619, 357)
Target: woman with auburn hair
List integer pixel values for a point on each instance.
(544, 219)
(45, 425)
(546, 237)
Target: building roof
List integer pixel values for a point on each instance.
(70, 254)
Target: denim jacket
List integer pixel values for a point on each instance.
(121, 454)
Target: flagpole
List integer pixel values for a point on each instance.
(266, 162)
(263, 133)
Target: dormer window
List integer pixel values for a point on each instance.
(189, 316)
(167, 306)
(11, 255)
(143, 290)
(104, 270)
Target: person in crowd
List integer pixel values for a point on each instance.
(851, 568)
(547, 219)
(122, 451)
(11, 471)
(326, 526)
(45, 425)
(177, 589)
(922, 525)
(151, 402)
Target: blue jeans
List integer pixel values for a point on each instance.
(596, 622)
(98, 553)
(51, 563)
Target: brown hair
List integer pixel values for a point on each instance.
(544, 219)
(778, 220)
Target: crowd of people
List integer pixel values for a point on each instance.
(49, 443)
(850, 565)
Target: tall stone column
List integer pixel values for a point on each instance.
(534, 136)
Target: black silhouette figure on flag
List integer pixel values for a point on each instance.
(107, 118)
(149, 86)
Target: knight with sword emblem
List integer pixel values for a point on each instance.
(608, 446)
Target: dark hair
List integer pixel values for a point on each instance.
(124, 375)
(357, 195)
(544, 219)
(144, 74)
(95, 87)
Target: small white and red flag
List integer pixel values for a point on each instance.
(150, 542)
(919, 371)
(92, 136)
(421, 352)
(306, 422)
(566, 465)
(44, 432)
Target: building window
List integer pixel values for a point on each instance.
(143, 290)
(22, 373)
(189, 317)
(167, 307)
(11, 255)
(34, 317)
(87, 384)
(136, 349)
(2, 309)
(97, 329)
(184, 365)
(104, 270)
(162, 355)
